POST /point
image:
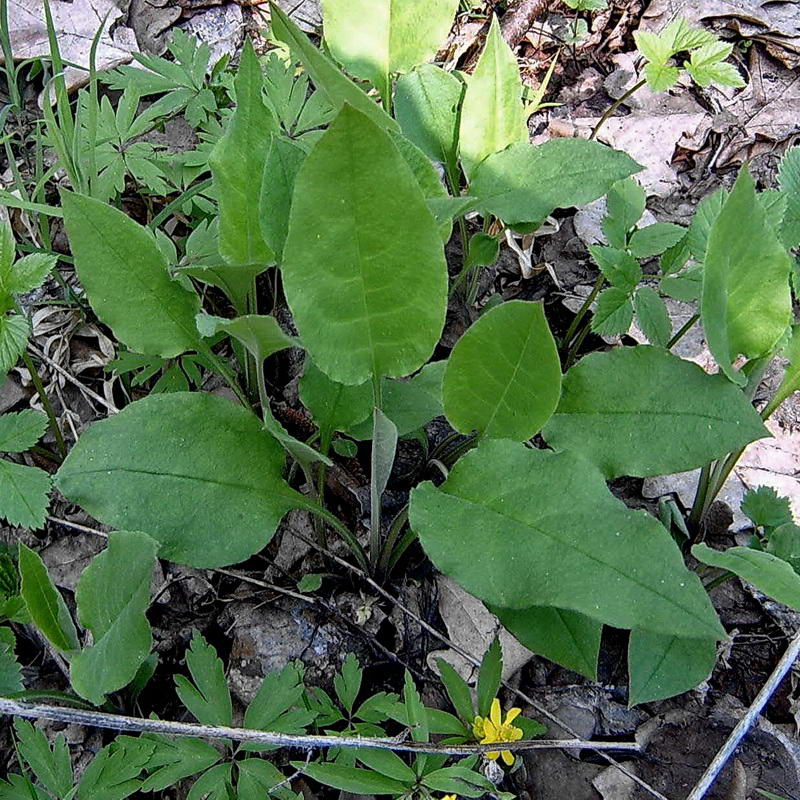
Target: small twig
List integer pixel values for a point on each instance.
(518, 19)
(740, 731)
(614, 106)
(119, 722)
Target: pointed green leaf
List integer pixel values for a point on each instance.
(14, 332)
(490, 675)
(328, 78)
(566, 637)
(113, 773)
(624, 208)
(261, 335)
(195, 471)
(493, 114)
(550, 532)
(19, 432)
(662, 666)
(525, 183)
(503, 377)
(352, 779)
(126, 279)
(256, 778)
(705, 216)
(279, 691)
(747, 304)
(614, 313)
(376, 38)
(652, 316)
(51, 766)
(10, 668)
(789, 180)
(644, 411)
(214, 784)
(768, 573)
(177, 758)
(654, 239)
(427, 103)
(207, 695)
(619, 267)
(30, 272)
(661, 77)
(347, 682)
(45, 604)
(466, 782)
(457, 690)
(385, 762)
(24, 495)
(377, 302)
(237, 164)
(113, 594)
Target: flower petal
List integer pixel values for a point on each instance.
(513, 713)
(508, 757)
(495, 714)
(493, 756)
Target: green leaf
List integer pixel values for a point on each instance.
(614, 313)
(213, 785)
(489, 676)
(643, 411)
(10, 668)
(376, 38)
(14, 332)
(789, 181)
(503, 377)
(483, 250)
(457, 690)
(328, 78)
(661, 77)
(652, 316)
(620, 268)
(387, 763)
(20, 431)
(747, 304)
(427, 102)
(112, 596)
(24, 495)
(352, 779)
(45, 604)
(624, 208)
(312, 581)
(566, 637)
(681, 37)
(493, 114)
(52, 767)
(177, 758)
(384, 450)
(662, 666)
(686, 287)
(706, 66)
(654, 239)
(237, 165)
(705, 215)
(653, 47)
(768, 573)
(256, 778)
(765, 508)
(550, 533)
(126, 279)
(283, 164)
(458, 779)
(376, 306)
(784, 542)
(114, 771)
(334, 406)
(30, 272)
(195, 471)
(279, 691)
(261, 335)
(21, 788)
(791, 376)
(347, 682)
(207, 696)
(525, 183)
(415, 712)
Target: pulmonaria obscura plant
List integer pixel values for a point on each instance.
(347, 211)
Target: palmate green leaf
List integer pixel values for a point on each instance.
(114, 772)
(492, 114)
(662, 666)
(216, 784)
(45, 604)
(279, 691)
(283, 163)
(113, 594)
(352, 779)
(376, 305)
(652, 316)
(746, 304)
(328, 78)
(566, 637)
(207, 695)
(643, 411)
(126, 279)
(525, 183)
(427, 102)
(768, 573)
(177, 758)
(14, 332)
(260, 334)
(51, 765)
(257, 777)
(376, 38)
(237, 165)
(20, 431)
(347, 682)
(19, 787)
(551, 533)
(789, 180)
(195, 471)
(503, 377)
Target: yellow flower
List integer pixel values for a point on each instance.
(449, 797)
(494, 728)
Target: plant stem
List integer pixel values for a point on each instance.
(685, 328)
(46, 404)
(576, 346)
(582, 312)
(374, 490)
(700, 495)
(225, 372)
(614, 106)
(342, 530)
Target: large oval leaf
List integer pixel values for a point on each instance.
(368, 297)
(549, 532)
(375, 38)
(126, 279)
(493, 114)
(196, 472)
(525, 183)
(503, 377)
(643, 411)
(746, 304)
